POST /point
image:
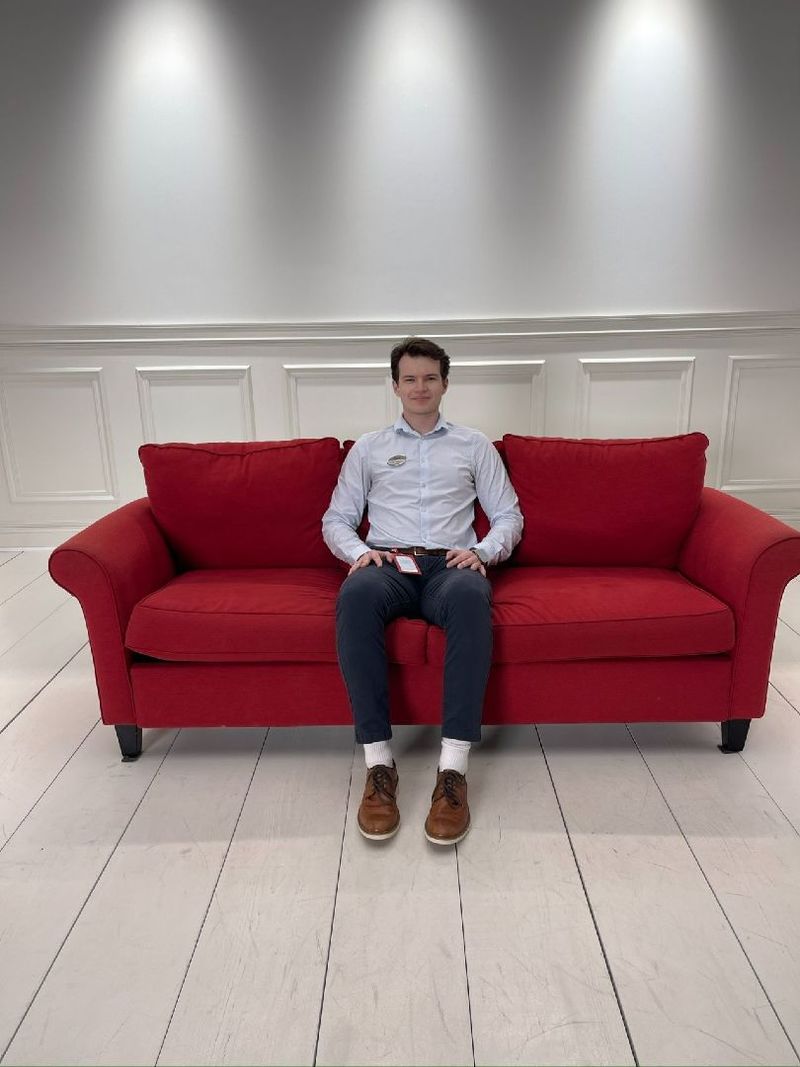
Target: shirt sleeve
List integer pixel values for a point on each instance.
(497, 498)
(346, 509)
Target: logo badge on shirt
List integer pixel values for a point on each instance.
(395, 461)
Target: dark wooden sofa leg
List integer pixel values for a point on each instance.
(130, 741)
(734, 735)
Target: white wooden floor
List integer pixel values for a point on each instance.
(626, 894)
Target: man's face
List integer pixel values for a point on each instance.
(419, 385)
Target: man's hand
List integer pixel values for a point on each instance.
(372, 556)
(464, 557)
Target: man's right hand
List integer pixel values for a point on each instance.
(373, 556)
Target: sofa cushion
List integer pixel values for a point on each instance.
(606, 503)
(584, 613)
(276, 614)
(243, 504)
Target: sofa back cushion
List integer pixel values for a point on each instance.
(606, 502)
(243, 504)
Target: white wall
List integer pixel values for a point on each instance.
(75, 404)
(207, 208)
(181, 161)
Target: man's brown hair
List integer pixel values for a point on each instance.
(419, 346)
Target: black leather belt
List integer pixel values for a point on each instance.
(411, 550)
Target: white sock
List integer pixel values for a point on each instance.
(378, 752)
(455, 755)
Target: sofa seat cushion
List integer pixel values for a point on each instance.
(276, 614)
(586, 613)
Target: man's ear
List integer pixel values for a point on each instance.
(445, 383)
(394, 386)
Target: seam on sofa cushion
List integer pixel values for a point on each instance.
(200, 611)
(243, 452)
(219, 652)
(595, 622)
(560, 622)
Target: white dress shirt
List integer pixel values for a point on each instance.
(420, 489)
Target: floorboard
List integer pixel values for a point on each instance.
(37, 745)
(396, 989)
(772, 752)
(25, 610)
(115, 982)
(747, 849)
(253, 990)
(785, 668)
(135, 927)
(687, 990)
(540, 991)
(49, 868)
(27, 667)
(20, 570)
(790, 605)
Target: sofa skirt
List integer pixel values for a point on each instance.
(692, 689)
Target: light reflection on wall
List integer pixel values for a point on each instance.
(167, 160)
(640, 133)
(413, 171)
(171, 158)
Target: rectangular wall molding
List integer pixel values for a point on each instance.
(660, 387)
(76, 402)
(68, 458)
(312, 389)
(179, 381)
(760, 437)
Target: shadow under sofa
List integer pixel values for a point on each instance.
(636, 593)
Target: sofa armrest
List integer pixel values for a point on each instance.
(109, 567)
(744, 557)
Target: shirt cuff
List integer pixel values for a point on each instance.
(483, 553)
(359, 552)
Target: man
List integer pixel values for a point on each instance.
(419, 479)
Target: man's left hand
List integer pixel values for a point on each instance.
(464, 557)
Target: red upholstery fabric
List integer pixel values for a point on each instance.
(541, 613)
(287, 694)
(740, 556)
(691, 689)
(243, 504)
(109, 567)
(745, 557)
(240, 694)
(240, 616)
(586, 613)
(626, 503)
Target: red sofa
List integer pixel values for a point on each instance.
(635, 593)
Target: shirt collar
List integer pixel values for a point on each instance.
(401, 426)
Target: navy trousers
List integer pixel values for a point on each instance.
(459, 601)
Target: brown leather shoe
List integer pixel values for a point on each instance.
(448, 819)
(378, 816)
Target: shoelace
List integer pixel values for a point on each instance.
(381, 783)
(449, 783)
